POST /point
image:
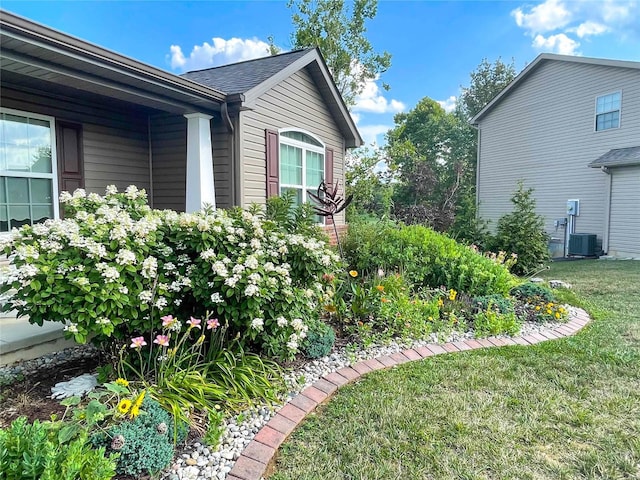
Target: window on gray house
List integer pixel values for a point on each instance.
(608, 111)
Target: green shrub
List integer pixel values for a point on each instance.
(492, 322)
(145, 444)
(33, 451)
(499, 302)
(522, 232)
(424, 257)
(319, 341)
(113, 267)
(533, 292)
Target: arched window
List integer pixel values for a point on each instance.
(302, 163)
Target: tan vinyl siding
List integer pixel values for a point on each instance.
(115, 146)
(624, 236)
(169, 151)
(543, 132)
(222, 164)
(294, 103)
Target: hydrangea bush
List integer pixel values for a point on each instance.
(114, 266)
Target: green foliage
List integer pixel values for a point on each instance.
(487, 81)
(533, 292)
(289, 217)
(491, 321)
(113, 267)
(370, 188)
(425, 258)
(33, 451)
(499, 302)
(147, 444)
(338, 28)
(319, 341)
(522, 232)
(215, 428)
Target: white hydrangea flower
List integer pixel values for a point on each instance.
(103, 321)
(111, 274)
(72, 328)
(232, 281)
(282, 322)
(79, 193)
(292, 345)
(254, 277)
(251, 290)
(238, 269)
(65, 197)
(145, 296)
(124, 290)
(111, 190)
(125, 257)
(149, 267)
(131, 192)
(208, 254)
(217, 298)
(251, 262)
(81, 281)
(297, 324)
(257, 324)
(161, 303)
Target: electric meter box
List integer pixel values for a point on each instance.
(573, 207)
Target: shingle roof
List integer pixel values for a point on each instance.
(618, 157)
(243, 76)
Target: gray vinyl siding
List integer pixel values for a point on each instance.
(169, 145)
(294, 103)
(624, 227)
(115, 145)
(543, 133)
(169, 153)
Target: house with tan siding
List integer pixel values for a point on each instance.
(75, 115)
(200, 138)
(568, 127)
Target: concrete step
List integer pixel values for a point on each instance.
(20, 340)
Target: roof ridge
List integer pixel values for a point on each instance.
(250, 60)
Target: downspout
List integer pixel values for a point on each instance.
(477, 127)
(228, 124)
(607, 210)
(150, 148)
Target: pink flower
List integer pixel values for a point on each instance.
(137, 342)
(194, 322)
(212, 324)
(162, 340)
(168, 320)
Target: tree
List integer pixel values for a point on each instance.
(487, 81)
(338, 29)
(367, 183)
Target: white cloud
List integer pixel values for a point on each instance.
(371, 99)
(355, 116)
(545, 17)
(449, 104)
(370, 133)
(589, 28)
(556, 25)
(219, 52)
(559, 43)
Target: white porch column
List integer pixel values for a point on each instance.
(200, 187)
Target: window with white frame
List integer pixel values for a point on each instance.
(28, 177)
(301, 164)
(608, 111)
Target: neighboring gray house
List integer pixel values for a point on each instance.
(77, 115)
(569, 127)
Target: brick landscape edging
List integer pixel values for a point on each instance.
(260, 452)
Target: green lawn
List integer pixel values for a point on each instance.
(568, 409)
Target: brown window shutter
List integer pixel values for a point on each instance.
(273, 166)
(69, 151)
(328, 174)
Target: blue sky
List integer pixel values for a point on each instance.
(434, 45)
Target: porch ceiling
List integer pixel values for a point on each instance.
(36, 51)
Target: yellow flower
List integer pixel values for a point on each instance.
(548, 312)
(380, 288)
(384, 300)
(138, 402)
(330, 308)
(440, 303)
(353, 273)
(452, 294)
(557, 314)
(200, 340)
(124, 406)
(135, 411)
(123, 382)
(537, 307)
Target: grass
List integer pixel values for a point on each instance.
(568, 409)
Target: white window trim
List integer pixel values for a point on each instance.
(596, 113)
(304, 147)
(54, 160)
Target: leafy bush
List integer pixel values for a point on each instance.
(145, 444)
(289, 217)
(319, 341)
(30, 451)
(424, 257)
(491, 322)
(113, 267)
(522, 232)
(533, 292)
(499, 302)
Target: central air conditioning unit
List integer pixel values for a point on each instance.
(583, 244)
